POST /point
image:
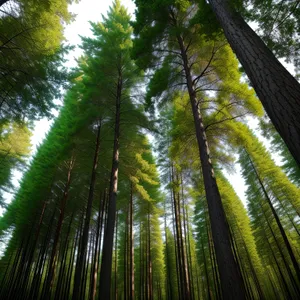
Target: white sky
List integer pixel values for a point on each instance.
(92, 10)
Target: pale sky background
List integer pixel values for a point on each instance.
(92, 10)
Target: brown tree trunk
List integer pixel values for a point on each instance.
(231, 279)
(106, 265)
(85, 234)
(277, 89)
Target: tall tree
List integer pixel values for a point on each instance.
(110, 53)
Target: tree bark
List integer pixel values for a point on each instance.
(106, 265)
(85, 234)
(231, 279)
(277, 89)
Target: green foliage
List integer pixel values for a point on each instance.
(278, 25)
(14, 148)
(31, 68)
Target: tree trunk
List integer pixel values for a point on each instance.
(253, 271)
(177, 239)
(67, 288)
(282, 277)
(278, 222)
(169, 287)
(95, 261)
(106, 265)
(28, 265)
(276, 88)
(231, 279)
(125, 258)
(131, 246)
(175, 236)
(37, 277)
(63, 262)
(116, 260)
(50, 276)
(150, 280)
(85, 234)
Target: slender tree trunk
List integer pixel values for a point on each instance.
(150, 283)
(277, 89)
(294, 284)
(85, 234)
(5, 290)
(95, 262)
(238, 260)
(4, 278)
(50, 276)
(214, 271)
(206, 271)
(169, 287)
(15, 290)
(125, 258)
(175, 233)
(93, 257)
(257, 283)
(281, 229)
(178, 235)
(66, 293)
(63, 262)
(32, 249)
(86, 271)
(116, 260)
(106, 265)
(282, 277)
(141, 264)
(189, 267)
(231, 279)
(37, 277)
(182, 245)
(131, 245)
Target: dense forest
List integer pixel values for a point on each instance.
(128, 196)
